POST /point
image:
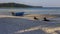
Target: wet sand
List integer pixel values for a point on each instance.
(26, 25)
(29, 16)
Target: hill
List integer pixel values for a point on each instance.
(17, 5)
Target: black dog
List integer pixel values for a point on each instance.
(45, 19)
(35, 18)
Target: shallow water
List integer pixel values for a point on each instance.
(31, 10)
(24, 26)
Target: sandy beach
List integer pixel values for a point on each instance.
(27, 25)
(30, 16)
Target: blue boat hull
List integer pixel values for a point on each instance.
(19, 13)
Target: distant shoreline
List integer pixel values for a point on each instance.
(18, 5)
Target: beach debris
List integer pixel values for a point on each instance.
(12, 13)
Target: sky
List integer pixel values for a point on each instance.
(45, 3)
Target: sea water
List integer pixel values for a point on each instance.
(16, 25)
(45, 10)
